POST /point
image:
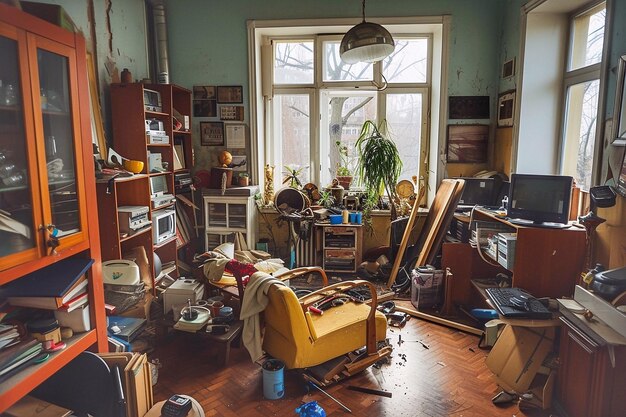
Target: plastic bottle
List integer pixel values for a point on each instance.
(345, 215)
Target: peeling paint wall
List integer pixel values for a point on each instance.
(120, 39)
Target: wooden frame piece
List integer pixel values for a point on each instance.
(431, 235)
(97, 127)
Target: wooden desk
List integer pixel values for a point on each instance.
(548, 262)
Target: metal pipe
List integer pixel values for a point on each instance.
(331, 397)
(160, 34)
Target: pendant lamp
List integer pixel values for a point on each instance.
(366, 42)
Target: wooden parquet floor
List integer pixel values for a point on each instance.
(447, 379)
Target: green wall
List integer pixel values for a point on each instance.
(208, 42)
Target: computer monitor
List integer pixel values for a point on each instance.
(539, 200)
(158, 185)
(478, 191)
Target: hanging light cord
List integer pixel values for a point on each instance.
(363, 9)
(380, 87)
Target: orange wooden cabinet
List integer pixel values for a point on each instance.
(47, 185)
(135, 109)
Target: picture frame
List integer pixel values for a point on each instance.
(230, 94)
(240, 163)
(205, 108)
(231, 113)
(467, 143)
(468, 107)
(506, 108)
(508, 68)
(204, 92)
(212, 133)
(619, 109)
(236, 134)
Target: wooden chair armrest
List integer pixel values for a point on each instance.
(346, 285)
(304, 270)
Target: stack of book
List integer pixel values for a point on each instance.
(122, 331)
(9, 335)
(62, 285)
(18, 356)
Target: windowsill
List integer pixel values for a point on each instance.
(375, 213)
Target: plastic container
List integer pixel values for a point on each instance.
(336, 218)
(273, 379)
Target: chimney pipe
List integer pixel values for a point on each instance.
(160, 34)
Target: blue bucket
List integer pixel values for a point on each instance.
(273, 379)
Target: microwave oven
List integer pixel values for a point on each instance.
(152, 100)
(163, 225)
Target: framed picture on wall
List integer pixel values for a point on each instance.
(230, 94)
(235, 135)
(205, 108)
(506, 109)
(212, 133)
(204, 92)
(467, 143)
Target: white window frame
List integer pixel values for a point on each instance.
(261, 91)
(577, 76)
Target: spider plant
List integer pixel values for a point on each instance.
(379, 164)
(292, 174)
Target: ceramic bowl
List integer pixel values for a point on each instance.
(133, 166)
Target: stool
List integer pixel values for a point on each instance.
(225, 340)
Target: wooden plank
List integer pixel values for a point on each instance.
(439, 320)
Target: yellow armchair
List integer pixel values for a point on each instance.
(303, 339)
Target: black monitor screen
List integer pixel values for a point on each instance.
(540, 198)
(478, 191)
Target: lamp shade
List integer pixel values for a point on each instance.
(366, 42)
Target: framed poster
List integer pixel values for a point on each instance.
(204, 92)
(235, 135)
(230, 94)
(205, 108)
(231, 113)
(508, 68)
(506, 108)
(467, 143)
(212, 133)
(468, 107)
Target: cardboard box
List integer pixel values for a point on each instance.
(50, 12)
(518, 355)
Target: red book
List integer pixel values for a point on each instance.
(75, 302)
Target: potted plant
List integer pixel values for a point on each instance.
(343, 173)
(379, 164)
(292, 174)
(244, 179)
(326, 199)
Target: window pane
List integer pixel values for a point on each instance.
(404, 115)
(337, 70)
(293, 63)
(291, 124)
(408, 62)
(580, 132)
(343, 114)
(588, 38)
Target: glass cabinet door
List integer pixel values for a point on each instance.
(58, 138)
(18, 217)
